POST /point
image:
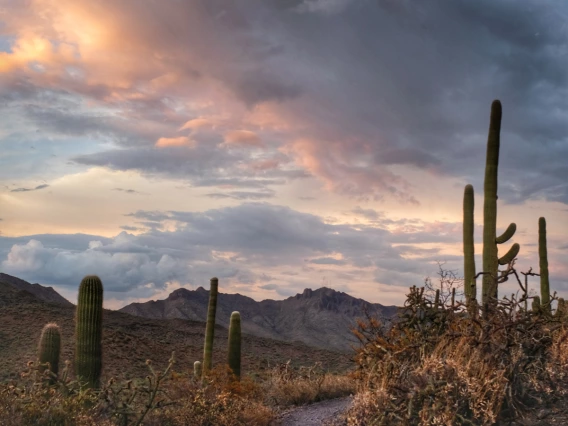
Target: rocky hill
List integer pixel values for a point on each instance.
(321, 318)
(128, 341)
(47, 294)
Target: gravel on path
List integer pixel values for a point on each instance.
(317, 414)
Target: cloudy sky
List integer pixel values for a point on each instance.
(276, 144)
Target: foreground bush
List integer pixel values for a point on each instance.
(165, 398)
(162, 398)
(438, 366)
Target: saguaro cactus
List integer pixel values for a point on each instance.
(470, 285)
(543, 263)
(197, 370)
(88, 330)
(235, 344)
(210, 327)
(49, 349)
(491, 261)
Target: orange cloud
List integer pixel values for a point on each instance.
(201, 123)
(243, 138)
(179, 141)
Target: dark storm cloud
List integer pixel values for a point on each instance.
(359, 87)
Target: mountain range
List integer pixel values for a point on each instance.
(128, 340)
(321, 318)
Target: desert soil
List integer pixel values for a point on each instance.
(320, 413)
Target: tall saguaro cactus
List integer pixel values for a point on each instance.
(49, 349)
(210, 327)
(470, 285)
(235, 344)
(88, 331)
(491, 260)
(543, 263)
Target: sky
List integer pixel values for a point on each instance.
(276, 144)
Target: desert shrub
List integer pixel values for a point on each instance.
(34, 399)
(286, 386)
(217, 400)
(161, 398)
(437, 365)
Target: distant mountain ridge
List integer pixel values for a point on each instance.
(322, 318)
(47, 294)
(128, 341)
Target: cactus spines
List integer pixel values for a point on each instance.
(197, 370)
(470, 286)
(88, 331)
(491, 260)
(49, 348)
(235, 344)
(210, 327)
(543, 263)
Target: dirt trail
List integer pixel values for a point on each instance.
(320, 413)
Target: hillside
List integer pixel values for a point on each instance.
(47, 294)
(129, 340)
(321, 318)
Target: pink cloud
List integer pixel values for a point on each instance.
(179, 141)
(242, 138)
(172, 67)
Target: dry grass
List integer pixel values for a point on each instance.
(166, 398)
(286, 386)
(438, 366)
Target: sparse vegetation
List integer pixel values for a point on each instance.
(167, 397)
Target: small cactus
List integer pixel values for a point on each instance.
(89, 326)
(543, 263)
(210, 327)
(235, 344)
(49, 349)
(197, 370)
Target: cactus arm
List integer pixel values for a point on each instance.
(507, 235)
(543, 264)
(510, 255)
(210, 327)
(235, 344)
(470, 286)
(490, 260)
(88, 331)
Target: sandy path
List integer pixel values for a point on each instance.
(320, 413)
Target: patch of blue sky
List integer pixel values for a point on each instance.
(32, 155)
(6, 42)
